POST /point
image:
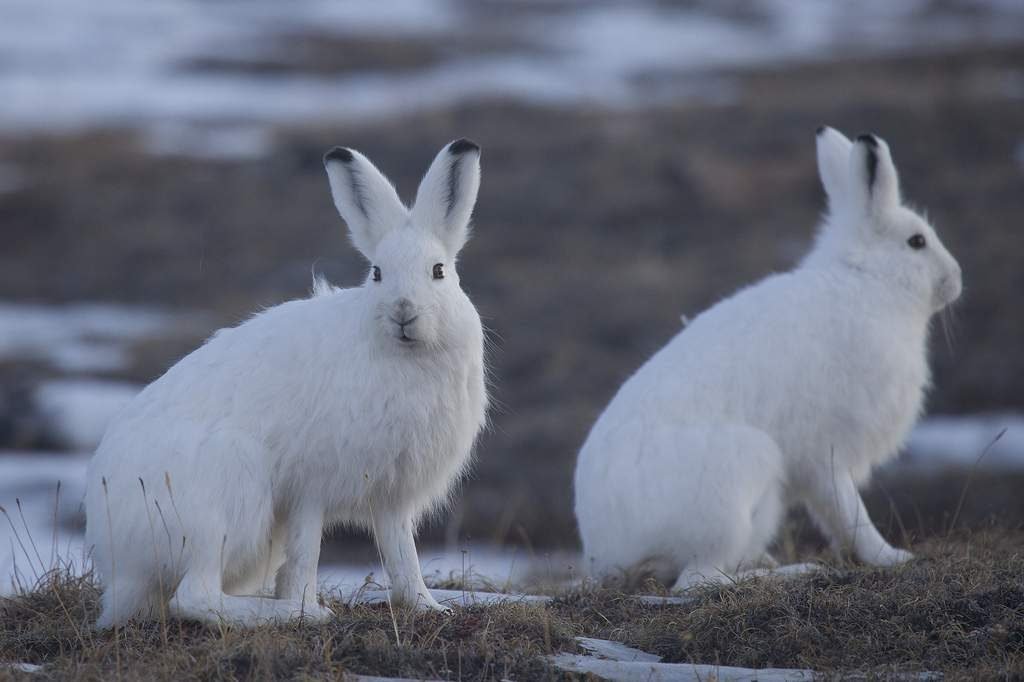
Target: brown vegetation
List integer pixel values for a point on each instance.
(957, 609)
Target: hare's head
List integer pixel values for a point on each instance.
(869, 227)
(412, 283)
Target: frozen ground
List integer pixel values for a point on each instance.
(99, 59)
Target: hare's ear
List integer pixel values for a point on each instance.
(363, 197)
(445, 199)
(834, 164)
(875, 183)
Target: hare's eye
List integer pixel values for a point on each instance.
(438, 271)
(917, 241)
(376, 274)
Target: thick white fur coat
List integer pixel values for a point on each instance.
(788, 391)
(208, 495)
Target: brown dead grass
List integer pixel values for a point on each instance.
(958, 609)
(52, 625)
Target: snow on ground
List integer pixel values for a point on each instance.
(99, 59)
(79, 410)
(620, 663)
(486, 566)
(450, 597)
(34, 536)
(77, 341)
(615, 661)
(615, 651)
(91, 337)
(649, 671)
(963, 440)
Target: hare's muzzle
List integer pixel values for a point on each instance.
(950, 286)
(403, 316)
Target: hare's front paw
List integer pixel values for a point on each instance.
(421, 600)
(426, 602)
(891, 556)
(315, 613)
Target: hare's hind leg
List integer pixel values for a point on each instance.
(126, 597)
(200, 596)
(735, 505)
(259, 576)
(300, 535)
(739, 548)
(202, 593)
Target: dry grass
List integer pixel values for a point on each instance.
(959, 609)
(52, 625)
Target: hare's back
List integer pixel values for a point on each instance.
(254, 370)
(739, 355)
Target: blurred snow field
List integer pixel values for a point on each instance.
(100, 60)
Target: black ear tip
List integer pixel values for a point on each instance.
(338, 154)
(868, 139)
(461, 146)
(820, 130)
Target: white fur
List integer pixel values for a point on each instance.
(788, 391)
(313, 413)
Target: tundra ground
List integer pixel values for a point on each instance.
(957, 609)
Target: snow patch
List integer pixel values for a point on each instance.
(487, 566)
(36, 537)
(615, 651)
(79, 410)
(111, 62)
(946, 440)
(77, 338)
(453, 597)
(647, 671)
(22, 667)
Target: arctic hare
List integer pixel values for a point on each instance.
(356, 406)
(790, 390)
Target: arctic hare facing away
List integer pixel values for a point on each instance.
(356, 406)
(789, 391)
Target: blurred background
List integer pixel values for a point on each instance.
(160, 177)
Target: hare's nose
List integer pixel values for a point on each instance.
(404, 311)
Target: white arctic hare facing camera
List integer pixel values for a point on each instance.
(789, 391)
(356, 406)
